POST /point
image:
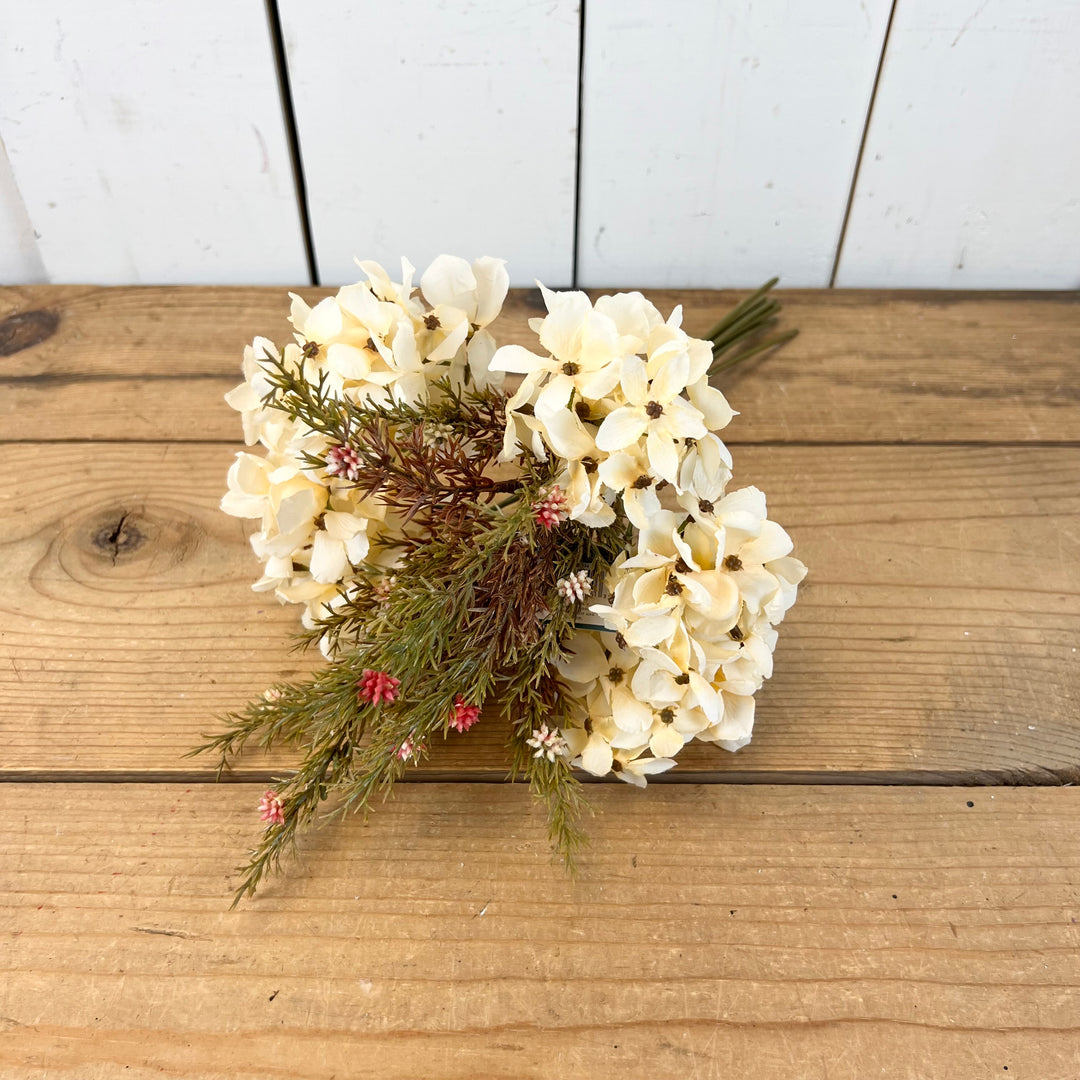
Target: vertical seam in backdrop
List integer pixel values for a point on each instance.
(862, 147)
(281, 60)
(574, 270)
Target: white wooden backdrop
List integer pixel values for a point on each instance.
(900, 143)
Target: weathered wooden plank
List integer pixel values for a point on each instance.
(969, 178)
(457, 132)
(758, 932)
(910, 367)
(149, 145)
(934, 638)
(719, 141)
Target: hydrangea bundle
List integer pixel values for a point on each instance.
(563, 550)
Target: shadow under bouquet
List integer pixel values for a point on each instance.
(563, 550)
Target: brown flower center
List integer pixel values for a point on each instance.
(674, 586)
(570, 368)
(432, 321)
(615, 675)
(642, 482)
(705, 506)
(654, 410)
(733, 562)
(667, 716)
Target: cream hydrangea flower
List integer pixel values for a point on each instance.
(663, 586)
(593, 752)
(655, 409)
(703, 476)
(465, 299)
(584, 491)
(629, 473)
(261, 422)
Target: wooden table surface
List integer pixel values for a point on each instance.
(886, 882)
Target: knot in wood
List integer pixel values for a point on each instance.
(26, 329)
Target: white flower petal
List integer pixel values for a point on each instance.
(671, 379)
(663, 456)
(666, 741)
(771, 543)
(585, 659)
(650, 631)
(566, 435)
(621, 428)
(518, 359)
(635, 380)
(324, 322)
(596, 758)
(629, 713)
(348, 361)
(492, 285)
(712, 405)
(328, 559)
(449, 280)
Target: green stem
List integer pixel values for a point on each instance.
(751, 320)
(771, 343)
(740, 309)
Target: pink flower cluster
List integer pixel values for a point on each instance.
(463, 716)
(272, 808)
(377, 686)
(409, 748)
(550, 508)
(343, 461)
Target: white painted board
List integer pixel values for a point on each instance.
(20, 262)
(437, 127)
(719, 140)
(971, 173)
(147, 141)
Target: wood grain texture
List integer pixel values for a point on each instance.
(143, 363)
(966, 179)
(712, 932)
(456, 132)
(934, 639)
(719, 141)
(148, 141)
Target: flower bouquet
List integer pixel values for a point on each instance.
(562, 550)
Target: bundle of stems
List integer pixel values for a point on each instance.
(737, 336)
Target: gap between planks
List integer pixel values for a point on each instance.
(1067, 776)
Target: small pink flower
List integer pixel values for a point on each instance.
(343, 461)
(382, 589)
(273, 809)
(548, 742)
(550, 508)
(377, 686)
(408, 749)
(575, 587)
(463, 716)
